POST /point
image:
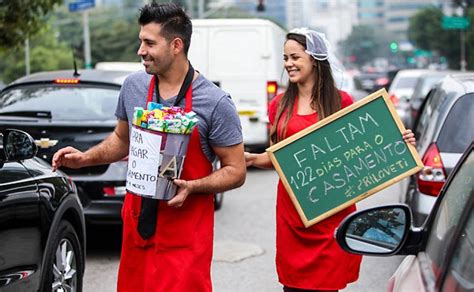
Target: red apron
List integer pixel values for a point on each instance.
(178, 256)
(310, 258)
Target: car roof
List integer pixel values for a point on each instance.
(412, 72)
(88, 75)
(460, 83)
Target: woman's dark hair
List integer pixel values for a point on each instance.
(325, 96)
(174, 21)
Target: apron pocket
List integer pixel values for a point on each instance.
(176, 227)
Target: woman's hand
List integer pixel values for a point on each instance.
(249, 158)
(409, 137)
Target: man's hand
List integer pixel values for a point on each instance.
(68, 157)
(184, 189)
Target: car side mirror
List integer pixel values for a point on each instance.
(18, 145)
(377, 231)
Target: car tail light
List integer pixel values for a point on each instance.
(382, 81)
(66, 81)
(394, 99)
(114, 191)
(433, 176)
(272, 88)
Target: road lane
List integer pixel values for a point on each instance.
(244, 243)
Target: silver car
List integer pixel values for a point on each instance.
(440, 255)
(445, 128)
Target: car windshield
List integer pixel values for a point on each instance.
(458, 129)
(65, 103)
(406, 82)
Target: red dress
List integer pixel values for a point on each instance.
(310, 258)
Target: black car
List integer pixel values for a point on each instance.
(60, 109)
(441, 252)
(63, 108)
(42, 226)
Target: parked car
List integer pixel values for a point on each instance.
(440, 254)
(351, 85)
(373, 81)
(444, 130)
(42, 226)
(422, 87)
(401, 90)
(60, 109)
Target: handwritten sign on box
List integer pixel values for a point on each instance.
(144, 159)
(344, 158)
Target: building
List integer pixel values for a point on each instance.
(273, 10)
(392, 16)
(335, 18)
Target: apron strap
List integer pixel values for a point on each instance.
(149, 207)
(183, 91)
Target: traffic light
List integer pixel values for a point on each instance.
(394, 47)
(260, 6)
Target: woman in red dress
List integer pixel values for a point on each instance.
(307, 259)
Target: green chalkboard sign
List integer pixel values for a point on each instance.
(344, 158)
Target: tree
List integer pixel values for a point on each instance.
(470, 41)
(366, 44)
(113, 33)
(425, 32)
(46, 53)
(20, 19)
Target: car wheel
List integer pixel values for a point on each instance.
(64, 264)
(218, 198)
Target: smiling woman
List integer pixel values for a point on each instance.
(311, 96)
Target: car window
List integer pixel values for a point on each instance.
(461, 268)
(406, 82)
(427, 112)
(69, 103)
(449, 213)
(426, 85)
(457, 131)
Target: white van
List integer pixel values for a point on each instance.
(120, 66)
(245, 58)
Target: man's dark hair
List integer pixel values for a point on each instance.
(174, 21)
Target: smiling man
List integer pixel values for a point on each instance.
(167, 245)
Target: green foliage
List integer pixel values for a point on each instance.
(470, 41)
(113, 33)
(22, 18)
(425, 32)
(46, 53)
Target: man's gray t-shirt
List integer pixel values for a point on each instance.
(218, 125)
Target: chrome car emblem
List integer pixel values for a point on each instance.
(45, 143)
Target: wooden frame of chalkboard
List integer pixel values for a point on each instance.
(344, 158)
